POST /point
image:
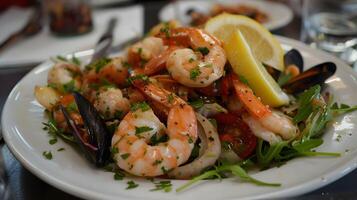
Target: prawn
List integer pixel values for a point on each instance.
(63, 73)
(111, 103)
(136, 154)
(112, 70)
(202, 60)
(270, 120)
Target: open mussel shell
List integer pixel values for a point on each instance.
(294, 57)
(96, 128)
(315, 75)
(86, 148)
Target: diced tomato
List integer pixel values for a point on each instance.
(226, 118)
(244, 143)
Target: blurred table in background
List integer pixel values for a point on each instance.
(24, 185)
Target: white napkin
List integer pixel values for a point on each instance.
(44, 45)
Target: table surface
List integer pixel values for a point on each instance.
(21, 184)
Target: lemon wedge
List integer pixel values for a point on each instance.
(245, 64)
(262, 43)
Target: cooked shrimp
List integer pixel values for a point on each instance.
(111, 103)
(112, 70)
(63, 73)
(132, 138)
(145, 50)
(164, 27)
(260, 131)
(197, 68)
(278, 124)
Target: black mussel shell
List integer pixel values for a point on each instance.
(86, 148)
(294, 57)
(315, 75)
(95, 127)
(272, 71)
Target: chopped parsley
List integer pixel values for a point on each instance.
(170, 98)
(157, 162)
(194, 73)
(126, 64)
(125, 156)
(114, 150)
(166, 186)
(72, 107)
(98, 64)
(118, 175)
(131, 185)
(140, 50)
(47, 155)
(165, 29)
(203, 50)
(118, 114)
(103, 83)
(141, 77)
(191, 60)
(52, 141)
(142, 129)
(140, 105)
(61, 149)
(154, 140)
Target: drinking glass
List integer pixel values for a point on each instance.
(331, 25)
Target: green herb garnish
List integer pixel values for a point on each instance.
(142, 129)
(166, 186)
(140, 105)
(47, 155)
(197, 104)
(194, 73)
(125, 156)
(131, 185)
(203, 50)
(118, 176)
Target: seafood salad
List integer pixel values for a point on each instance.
(179, 104)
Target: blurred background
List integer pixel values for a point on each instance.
(32, 31)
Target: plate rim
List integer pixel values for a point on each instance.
(80, 192)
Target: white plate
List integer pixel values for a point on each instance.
(69, 171)
(279, 15)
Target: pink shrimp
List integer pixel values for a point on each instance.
(137, 154)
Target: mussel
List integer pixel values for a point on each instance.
(313, 76)
(97, 148)
(294, 57)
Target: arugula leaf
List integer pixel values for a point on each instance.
(342, 109)
(305, 105)
(266, 155)
(307, 145)
(234, 169)
(205, 175)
